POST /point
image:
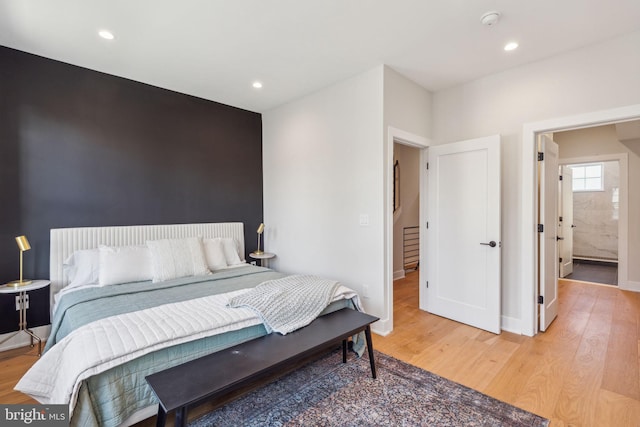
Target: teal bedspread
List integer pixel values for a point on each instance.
(111, 397)
(86, 305)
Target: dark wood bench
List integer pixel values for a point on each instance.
(216, 375)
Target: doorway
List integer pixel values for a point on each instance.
(406, 228)
(529, 274)
(595, 233)
(595, 184)
(417, 147)
(406, 209)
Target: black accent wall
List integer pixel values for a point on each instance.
(83, 148)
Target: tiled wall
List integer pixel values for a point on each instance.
(595, 215)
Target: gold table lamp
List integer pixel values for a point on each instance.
(23, 245)
(260, 231)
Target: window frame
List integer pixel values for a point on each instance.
(584, 178)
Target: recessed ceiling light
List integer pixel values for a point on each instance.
(510, 46)
(106, 34)
(257, 85)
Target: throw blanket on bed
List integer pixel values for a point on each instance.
(289, 303)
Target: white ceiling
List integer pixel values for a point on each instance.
(215, 49)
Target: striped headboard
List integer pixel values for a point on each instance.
(65, 241)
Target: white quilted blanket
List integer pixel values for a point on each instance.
(98, 346)
(289, 303)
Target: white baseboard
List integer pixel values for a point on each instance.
(586, 258)
(381, 327)
(22, 339)
(511, 324)
(632, 286)
(398, 274)
(508, 324)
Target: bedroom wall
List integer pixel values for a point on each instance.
(322, 173)
(407, 105)
(325, 171)
(323, 161)
(594, 78)
(82, 148)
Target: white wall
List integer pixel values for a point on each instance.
(598, 77)
(325, 165)
(323, 170)
(407, 105)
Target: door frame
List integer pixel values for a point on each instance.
(528, 232)
(385, 325)
(564, 228)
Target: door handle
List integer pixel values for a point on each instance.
(573, 226)
(491, 243)
(559, 238)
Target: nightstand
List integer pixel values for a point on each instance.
(22, 298)
(264, 257)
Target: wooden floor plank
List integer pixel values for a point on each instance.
(451, 352)
(509, 381)
(541, 392)
(621, 372)
(616, 410)
(577, 400)
(13, 365)
(482, 371)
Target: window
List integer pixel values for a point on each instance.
(587, 177)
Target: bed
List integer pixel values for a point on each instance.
(124, 308)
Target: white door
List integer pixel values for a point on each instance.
(548, 237)
(566, 221)
(463, 235)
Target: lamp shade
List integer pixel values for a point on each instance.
(261, 228)
(23, 243)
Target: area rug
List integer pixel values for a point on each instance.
(328, 392)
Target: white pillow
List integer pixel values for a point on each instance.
(124, 264)
(83, 267)
(230, 251)
(173, 258)
(214, 254)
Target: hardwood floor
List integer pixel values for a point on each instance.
(13, 365)
(584, 371)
